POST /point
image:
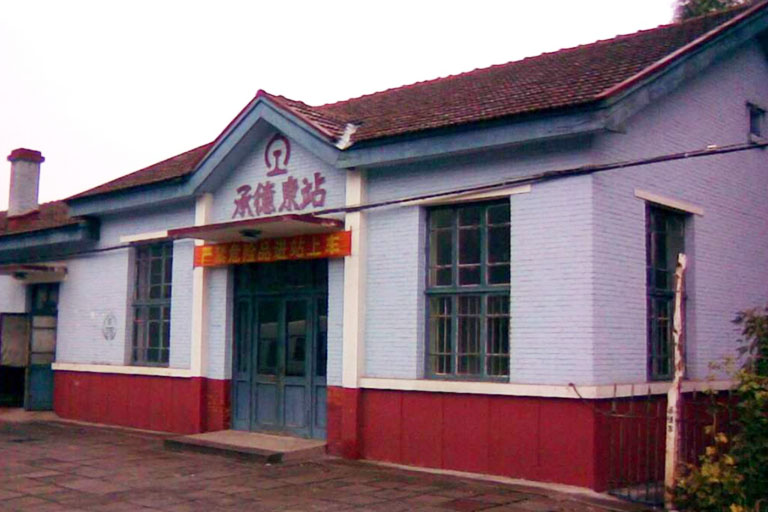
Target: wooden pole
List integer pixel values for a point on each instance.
(674, 395)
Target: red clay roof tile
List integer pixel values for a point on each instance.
(49, 215)
(552, 81)
(175, 167)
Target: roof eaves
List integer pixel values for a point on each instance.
(668, 59)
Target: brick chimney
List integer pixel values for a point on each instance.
(25, 181)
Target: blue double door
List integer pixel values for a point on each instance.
(280, 348)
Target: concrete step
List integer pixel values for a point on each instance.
(255, 446)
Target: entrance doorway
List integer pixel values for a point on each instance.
(280, 347)
(27, 350)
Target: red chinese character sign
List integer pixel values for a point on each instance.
(284, 194)
(302, 247)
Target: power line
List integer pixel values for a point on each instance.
(554, 174)
(517, 181)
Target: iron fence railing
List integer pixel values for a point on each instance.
(636, 432)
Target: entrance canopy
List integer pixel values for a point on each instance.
(31, 273)
(250, 230)
(267, 239)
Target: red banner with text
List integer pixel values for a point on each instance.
(302, 247)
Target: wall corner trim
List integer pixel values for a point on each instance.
(589, 392)
(667, 201)
(150, 371)
(498, 193)
(142, 237)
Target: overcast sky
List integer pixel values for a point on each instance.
(105, 88)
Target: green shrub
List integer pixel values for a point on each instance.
(732, 474)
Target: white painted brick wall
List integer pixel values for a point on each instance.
(730, 258)
(335, 319)
(551, 313)
(158, 219)
(13, 295)
(219, 323)
(551, 283)
(394, 306)
(100, 283)
(252, 170)
(181, 304)
(96, 285)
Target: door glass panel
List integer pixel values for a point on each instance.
(296, 337)
(43, 340)
(242, 338)
(268, 333)
(321, 349)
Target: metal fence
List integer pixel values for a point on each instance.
(636, 428)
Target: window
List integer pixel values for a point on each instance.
(665, 230)
(468, 291)
(152, 304)
(756, 120)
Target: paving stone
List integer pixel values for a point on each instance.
(83, 468)
(466, 505)
(6, 495)
(24, 503)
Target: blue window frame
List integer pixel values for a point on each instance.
(665, 239)
(152, 304)
(468, 265)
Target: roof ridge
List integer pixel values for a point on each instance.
(531, 57)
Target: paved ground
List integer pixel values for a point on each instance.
(51, 466)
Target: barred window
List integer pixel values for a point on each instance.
(756, 120)
(152, 304)
(664, 241)
(468, 291)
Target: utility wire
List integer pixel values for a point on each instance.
(520, 180)
(554, 174)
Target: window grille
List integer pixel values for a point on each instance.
(152, 304)
(468, 291)
(665, 236)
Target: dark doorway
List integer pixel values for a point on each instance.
(14, 358)
(43, 312)
(280, 343)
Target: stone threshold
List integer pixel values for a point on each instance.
(255, 446)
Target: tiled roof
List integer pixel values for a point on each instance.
(566, 78)
(175, 167)
(549, 82)
(49, 215)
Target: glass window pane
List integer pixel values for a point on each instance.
(168, 277)
(442, 277)
(296, 336)
(470, 215)
(498, 244)
(442, 244)
(243, 336)
(469, 246)
(441, 218)
(497, 337)
(154, 334)
(321, 349)
(469, 275)
(498, 214)
(468, 342)
(268, 325)
(498, 274)
(440, 338)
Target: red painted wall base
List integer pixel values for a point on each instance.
(544, 439)
(169, 404)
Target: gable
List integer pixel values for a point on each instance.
(276, 175)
